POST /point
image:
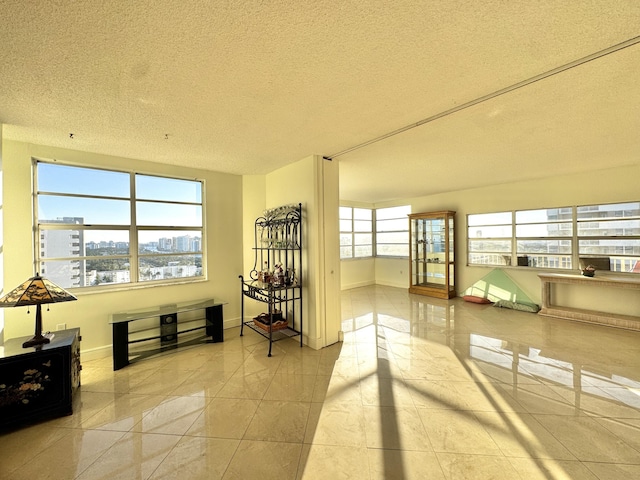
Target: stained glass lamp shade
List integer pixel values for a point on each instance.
(36, 291)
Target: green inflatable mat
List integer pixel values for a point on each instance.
(498, 287)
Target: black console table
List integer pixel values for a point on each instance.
(157, 329)
(39, 382)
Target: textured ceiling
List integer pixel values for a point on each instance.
(247, 87)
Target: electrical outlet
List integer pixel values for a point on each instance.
(61, 326)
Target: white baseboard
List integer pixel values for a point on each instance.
(393, 284)
(96, 353)
(357, 284)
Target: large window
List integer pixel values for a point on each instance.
(392, 231)
(356, 236)
(101, 227)
(607, 236)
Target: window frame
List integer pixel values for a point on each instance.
(542, 259)
(578, 257)
(353, 232)
(377, 243)
(617, 258)
(492, 225)
(132, 229)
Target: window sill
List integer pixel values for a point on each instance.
(133, 286)
(552, 270)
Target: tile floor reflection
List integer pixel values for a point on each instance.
(420, 389)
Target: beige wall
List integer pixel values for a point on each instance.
(2, 291)
(91, 312)
(253, 198)
(313, 182)
(358, 272)
(605, 186)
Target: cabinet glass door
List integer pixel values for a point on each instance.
(431, 254)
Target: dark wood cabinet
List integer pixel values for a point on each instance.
(39, 382)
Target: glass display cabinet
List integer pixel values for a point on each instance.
(431, 254)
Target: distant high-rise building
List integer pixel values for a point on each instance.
(63, 243)
(182, 244)
(165, 244)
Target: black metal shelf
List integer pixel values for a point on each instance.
(276, 335)
(162, 327)
(278, 244)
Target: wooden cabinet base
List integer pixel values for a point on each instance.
(37, 383)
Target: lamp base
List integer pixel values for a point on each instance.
(37, 340)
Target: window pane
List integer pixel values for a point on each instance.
(345, 213)
(392, 225)
(167, 214)
(78, 243)
(82, 181)
(544, 246)
(61, 243)
(393, 250)
(393, 212)
(393, 237)
(169, 241)
(544, 215)
(101, 271)
(364, 251)
(545, 230)
(168, 189)
(361, 226)
(610, 247)
(106, 242)
(345, 252)
(362, 213)
(345, 239)
(82, 210)
(345, 225)
(490, 232)
(161, 267)
(625, 264)
(489, 259)
(363, 238)
(490, 246)
(500, 218)
(547, 260)
(84, 273)
(614, 210)
(609, 228)
(65, 273)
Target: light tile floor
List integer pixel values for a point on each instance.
(419, 389)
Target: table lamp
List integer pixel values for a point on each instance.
(36, 291)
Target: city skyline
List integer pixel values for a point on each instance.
(179, 243)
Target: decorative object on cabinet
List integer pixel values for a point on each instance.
(158, 328)
(276, 277)
(36, 291)
(431, 254)
(39, 382)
